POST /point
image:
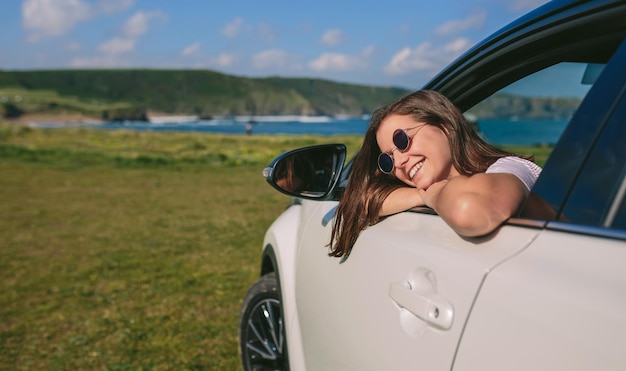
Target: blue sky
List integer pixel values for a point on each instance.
(384, 43)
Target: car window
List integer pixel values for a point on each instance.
(530, 114)
(598, 196)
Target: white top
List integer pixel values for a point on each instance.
(524, 170)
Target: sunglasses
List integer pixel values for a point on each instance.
(402, 141)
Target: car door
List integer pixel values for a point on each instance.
(400, 300)
(569, 285)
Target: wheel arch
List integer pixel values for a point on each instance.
(268, 262)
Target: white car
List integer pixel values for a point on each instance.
(413, 295)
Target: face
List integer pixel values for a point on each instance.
(427, 159)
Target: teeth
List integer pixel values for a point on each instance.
(415, 169)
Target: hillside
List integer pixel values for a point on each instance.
(135, 94)
(504, 106)
(116, 94)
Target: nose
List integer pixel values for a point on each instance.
(400, 159)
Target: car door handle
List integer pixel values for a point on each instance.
(429, 306)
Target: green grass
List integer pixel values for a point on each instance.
(130, 250)
(114, 268)
(126, 250)
(48, 101)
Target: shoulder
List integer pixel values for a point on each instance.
(526, 171)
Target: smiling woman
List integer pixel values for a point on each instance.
(421, 151)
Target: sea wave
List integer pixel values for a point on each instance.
(283, 118)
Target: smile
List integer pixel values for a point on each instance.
(415, 169)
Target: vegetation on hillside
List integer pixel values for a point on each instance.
(505, 106)
(199, 92)
(135, 94)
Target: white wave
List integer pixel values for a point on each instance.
(173, 119)
(283, 118)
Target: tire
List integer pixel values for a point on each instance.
(262, 342)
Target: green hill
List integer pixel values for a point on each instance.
(505, 106)
(134, 93)
(137, 93)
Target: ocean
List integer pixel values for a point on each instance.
(503, 132)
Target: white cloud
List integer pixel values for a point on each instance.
(51, 18)
(116, 46)
(458, 26)
(337, 62)
(271, 58)
(100, 61)
(456, 48)
(234, 28)
(130, 33)
(191, 49)
(425, 57)
(137, 25)
(333, 37)
(223, 60)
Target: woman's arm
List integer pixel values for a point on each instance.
(476, 205)
(401, 199)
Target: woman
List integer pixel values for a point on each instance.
(420, 151)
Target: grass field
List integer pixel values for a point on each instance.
(131, 250)
(126, 250)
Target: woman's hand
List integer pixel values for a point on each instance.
(430, 195)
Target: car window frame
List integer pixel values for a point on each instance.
(608, 113)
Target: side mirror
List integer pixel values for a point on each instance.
(308, 172)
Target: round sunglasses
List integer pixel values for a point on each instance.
(402, 141)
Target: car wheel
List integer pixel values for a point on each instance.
(261, 329)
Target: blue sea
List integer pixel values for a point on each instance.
(504, 132)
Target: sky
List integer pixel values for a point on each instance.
(401, 43)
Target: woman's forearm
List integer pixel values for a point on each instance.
(401, 199)
(476, 205)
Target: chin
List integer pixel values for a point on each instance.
(422, 185)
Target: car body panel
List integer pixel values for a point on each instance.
(344, 306)
(559, 305)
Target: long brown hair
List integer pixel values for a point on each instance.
(368, 187)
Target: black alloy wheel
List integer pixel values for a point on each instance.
(261, 329)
